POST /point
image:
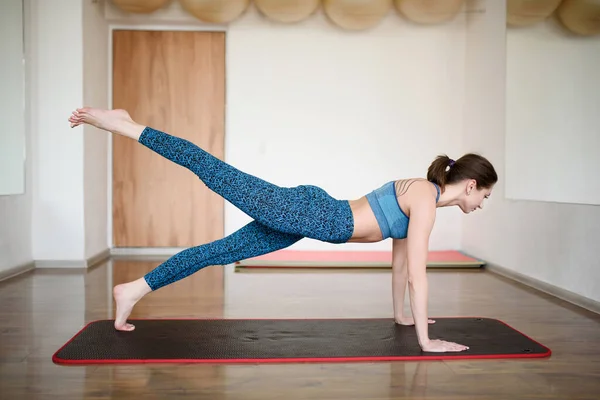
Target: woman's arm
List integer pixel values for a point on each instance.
(422, 218)
(399, 278)
(399, 281)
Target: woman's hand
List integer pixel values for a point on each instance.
(442, 346)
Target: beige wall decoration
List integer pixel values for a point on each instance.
(429, 11)
(529, 12)
(356, 14)
(215, 11)
(580, 16)
(140, 6)
(287, 11)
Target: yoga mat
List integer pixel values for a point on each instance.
(351, 259)
(289, 340)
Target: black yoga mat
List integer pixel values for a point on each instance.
(289, 340)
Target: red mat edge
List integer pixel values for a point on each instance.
(440, 356)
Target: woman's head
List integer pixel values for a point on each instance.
(474, 175)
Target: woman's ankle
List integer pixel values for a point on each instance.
(131, 130)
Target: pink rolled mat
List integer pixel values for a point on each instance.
(320, 259)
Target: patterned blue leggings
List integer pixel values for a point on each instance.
(281, 216)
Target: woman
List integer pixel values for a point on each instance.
(283, 216)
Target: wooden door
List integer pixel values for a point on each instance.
(173, 82)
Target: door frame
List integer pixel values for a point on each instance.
(153, 26)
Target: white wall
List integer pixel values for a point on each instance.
(15, 229)
(550, 242)
(12, 97)
(15, 210)
(58, 226)
(313, 104)
(62, 219)
(95, 150)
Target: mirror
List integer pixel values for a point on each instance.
(553, 94)
(12, 98)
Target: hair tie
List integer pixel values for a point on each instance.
(452, 162)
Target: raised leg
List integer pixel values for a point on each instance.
(304, 210)
(252, 240)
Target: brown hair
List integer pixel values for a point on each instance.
(445, 171)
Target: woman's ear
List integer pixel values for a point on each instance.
(471, 185)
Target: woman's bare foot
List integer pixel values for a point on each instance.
(114, 121)
(126, 296)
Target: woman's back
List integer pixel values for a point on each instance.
(385, 212)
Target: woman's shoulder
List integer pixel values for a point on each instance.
(409, 190)
(405, 185)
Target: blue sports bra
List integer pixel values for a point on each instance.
(392, 221)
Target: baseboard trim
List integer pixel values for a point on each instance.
(18, 270)
(75, 264)
(547, 288)
(61, 264)
(98, 258)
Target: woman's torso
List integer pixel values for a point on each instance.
(366, 227)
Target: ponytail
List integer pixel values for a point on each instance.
(437, 172)
(444, 171)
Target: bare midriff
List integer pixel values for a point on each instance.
(366, 228)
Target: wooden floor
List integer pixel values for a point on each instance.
(41, 310)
